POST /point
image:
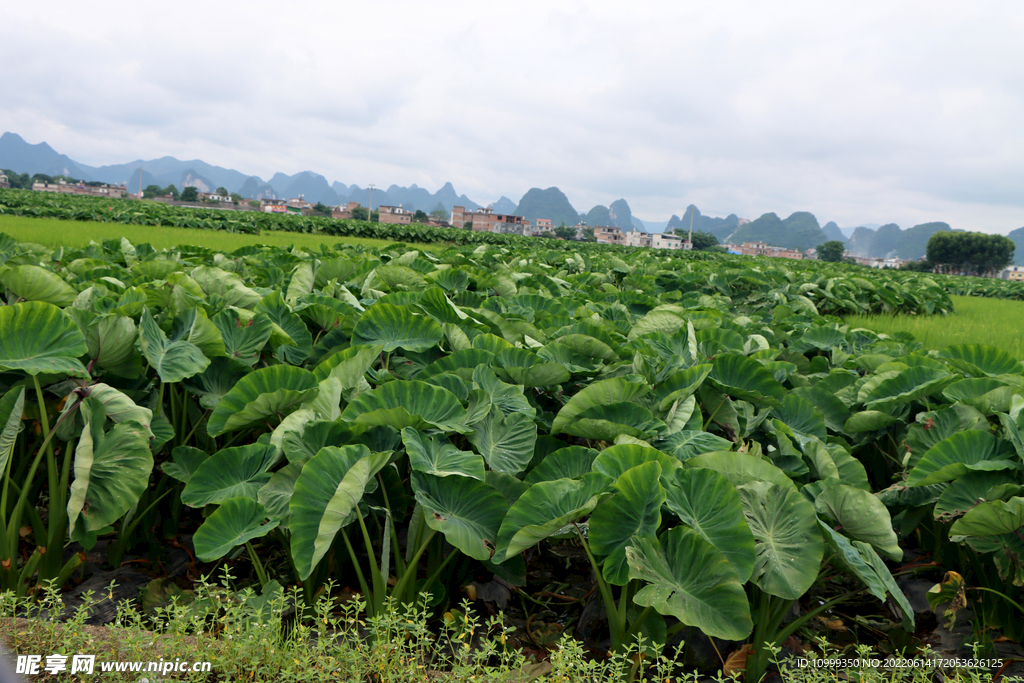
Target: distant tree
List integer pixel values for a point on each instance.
(173, 191)
(17, 181)
(565, 232)
(222, 191)
(439, 214)
(925, 266)
(254, 203)
(420, 216)
(375, 217)
(42, 178)
(322, 209)
(588, 234)
(831, 251)
(190, 194)
(237, 198)
(702, 241)
(360, 213)
(971, 253)
(152, 191)
(468, 225)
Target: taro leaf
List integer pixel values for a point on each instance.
(348, 366)
(849, 470)
(173, 361)
(530, 370)
(33, 283)
(959, 454)
(451, 279)
(290, 337)
(635, 510)
(36, 337)
(991, 519)
(184, 462)
(708, 502)
(861, 560)
(746, 379)
(301, 281)
(214, 383)
(243, 340)
(861, 516)
(506, 442)
(235, 522)
(606, 422)
(467, 511)
(508, 486)
(970, 490)
(118, 406)
(461, 363)
(227, 285)
(687, 578)
(686, 444)
(326, 498)
(869, 421)
(614, 390)
(276, 494)
(265, 394)
(11, 407)
(980, 360)
(615, 460)
(929, 429)
(111, 471)
(912, 384)
(741, 468)
(657, 321)
(798, 414)
(545, 508)
(434, 303)
(437, 456)
(788, 542)
(508, 397)
(832, 410)
(229, 473)
(396, 327)
(987, 394)
(952, 592)
(111, 340)
(403, 404)
(681, 384)
(571, 462)
(194, 327)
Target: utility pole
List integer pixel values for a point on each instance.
(140, 182)
(691, 226)
(369, 213)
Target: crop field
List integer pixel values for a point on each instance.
(681, 441)
(995, 322)
(53, 232)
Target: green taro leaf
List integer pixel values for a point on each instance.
(173, 360)
(184, 462)
(860, 515)
(229, 473)
(687, 578)
(111, 471)
(635, 510)
(616, 460)
(741, 468)
(788, 542)
(265, 394)
(33, 283)
(235, 522)
(710, 504)
(111, 340)
(396, 327)
(571, 462)
(909, 385)
(980, 360)
(243, 339)
(291, 338)
(869, 421)
(505, 441)
(12, 405)
(746, 379)
(959, 454)
(991, 519)
(545, 508)
(602, 392)
(971, 489)
(467, 511)
(687, 444)
(437, 456)
(326, 498)
(402, 404)
(605, 422)
(36, 337)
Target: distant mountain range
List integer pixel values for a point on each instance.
(801, 230)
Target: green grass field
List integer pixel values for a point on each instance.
(52, 232)
(996, 322)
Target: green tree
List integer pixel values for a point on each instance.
(222, 191)
(439, 214)
(360, 213)
(190, 194)
(254, 203)
(970, 253)
(152, 191)
(237, 198)
(420, 216)
(701, 240)
(173, 191)
(565, 232)
(588, 235)
(322, 209)
(831, 251)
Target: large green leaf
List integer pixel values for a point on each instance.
(243, 339)
(991, 519)
(508, 397)
(266, 394)
(236, 521)
(184, 462)
(709, 503)
(687, 578)
(11, 407)
(635, 510)
(972, 489)
(615, 460)
(229, 473)
(686, 444)
(741, 468)
(528, 369)
(437, 456)
(909, 385)
(111, 340)
(467, 511)
(980, 360)
(545, 508)
(33, 283)
(326, 498)
(798, 414)
(959, 454)
(290, 337)
(505, 441)
(173, 360)
(36, 337)
(860, 515)
(111, 471)
(603, 392)
(396, 327)
(571, 462)
(746, 379)
(606, 422)
(402, 404)
(788, 542)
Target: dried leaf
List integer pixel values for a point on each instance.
(736, 663)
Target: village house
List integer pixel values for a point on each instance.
(637, 238)
(762, 249)
(393, 214)
(668, 240)
(344, 212)
(606, 234)
(485, 220)
(543, 225)
(273, 205)
(1015, 273)
(98, 190)
(4, 182)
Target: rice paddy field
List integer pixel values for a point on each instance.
(52, 232)
(996, 322)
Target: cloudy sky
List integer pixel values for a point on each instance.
(865, 112)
